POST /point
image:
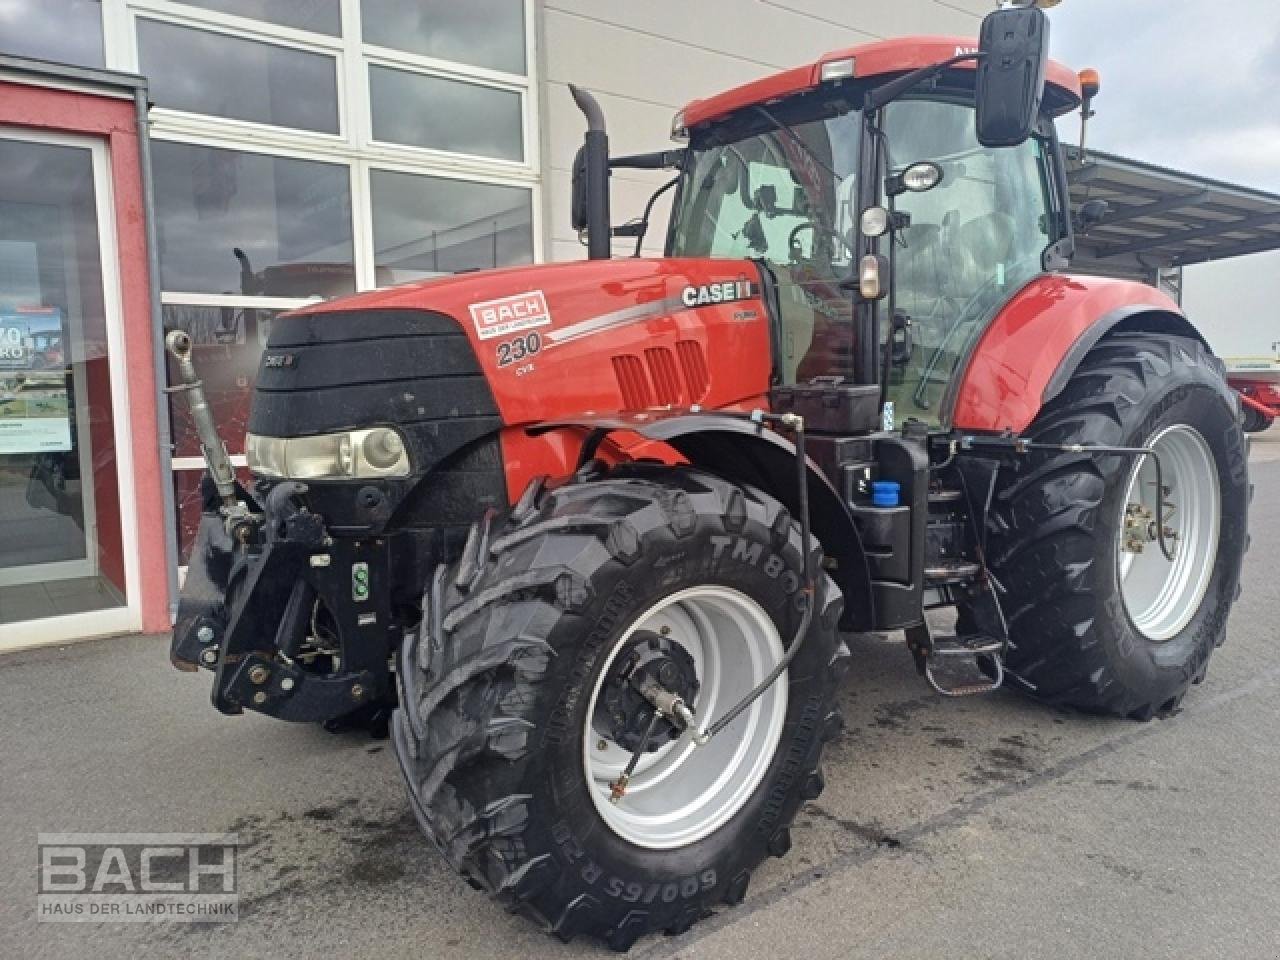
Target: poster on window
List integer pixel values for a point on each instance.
(34, 413)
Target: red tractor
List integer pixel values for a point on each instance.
(593, 529)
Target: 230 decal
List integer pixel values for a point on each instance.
(513, 351)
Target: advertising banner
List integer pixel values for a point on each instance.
(34, 411)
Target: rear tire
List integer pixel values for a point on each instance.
(495, 730)
(1086, 631)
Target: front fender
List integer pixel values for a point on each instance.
(745, 452)
(1036, 342)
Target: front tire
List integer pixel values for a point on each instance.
(504, 737)
(1098, 618)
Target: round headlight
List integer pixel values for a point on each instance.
(383, 448)
(875, 222)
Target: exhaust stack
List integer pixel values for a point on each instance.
(596, 163)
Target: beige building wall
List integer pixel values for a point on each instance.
(645, 59)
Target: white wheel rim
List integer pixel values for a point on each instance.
(1161, 596)
(680, 793)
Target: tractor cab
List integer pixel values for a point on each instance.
(813, 184)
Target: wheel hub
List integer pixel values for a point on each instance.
(623, 713)
(1140, 527)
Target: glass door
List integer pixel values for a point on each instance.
(66, 544)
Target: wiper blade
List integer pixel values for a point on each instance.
(795, 138)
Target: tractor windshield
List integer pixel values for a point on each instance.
(786, 196)
(972, 242)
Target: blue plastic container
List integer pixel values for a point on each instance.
(885, 493)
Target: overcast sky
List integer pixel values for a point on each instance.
(1193, 85)
(1190, 84)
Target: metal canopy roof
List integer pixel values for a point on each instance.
(1162, 218)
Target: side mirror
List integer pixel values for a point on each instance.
(578, 197)
(1092, 212)
(1010, 76)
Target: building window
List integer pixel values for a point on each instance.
(249, 224)
(426, 111)
(198, 71)
(64, 31)
(320, 16)
(424, 226)
(480, 33)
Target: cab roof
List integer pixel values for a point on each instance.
(883, 57)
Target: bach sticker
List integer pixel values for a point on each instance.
(497, 318)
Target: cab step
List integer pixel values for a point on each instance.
(958, 666)
(948, 650)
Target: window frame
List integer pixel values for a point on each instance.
(171, 116)
(390, 147)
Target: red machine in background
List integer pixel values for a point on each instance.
(1257, 380)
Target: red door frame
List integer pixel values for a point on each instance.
(105, 106)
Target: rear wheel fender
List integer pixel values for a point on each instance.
(1037, 340)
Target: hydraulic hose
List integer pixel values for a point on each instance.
(809, 590)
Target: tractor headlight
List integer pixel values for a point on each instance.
(875, 222)
(376, 452)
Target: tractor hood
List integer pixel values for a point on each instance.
(589, 337)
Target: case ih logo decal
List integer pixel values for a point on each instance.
(725, 292)
(497, 318)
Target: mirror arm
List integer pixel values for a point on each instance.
(641, 226)
(658, 160)
(888, 92)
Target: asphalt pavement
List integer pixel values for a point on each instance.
(984, 827)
